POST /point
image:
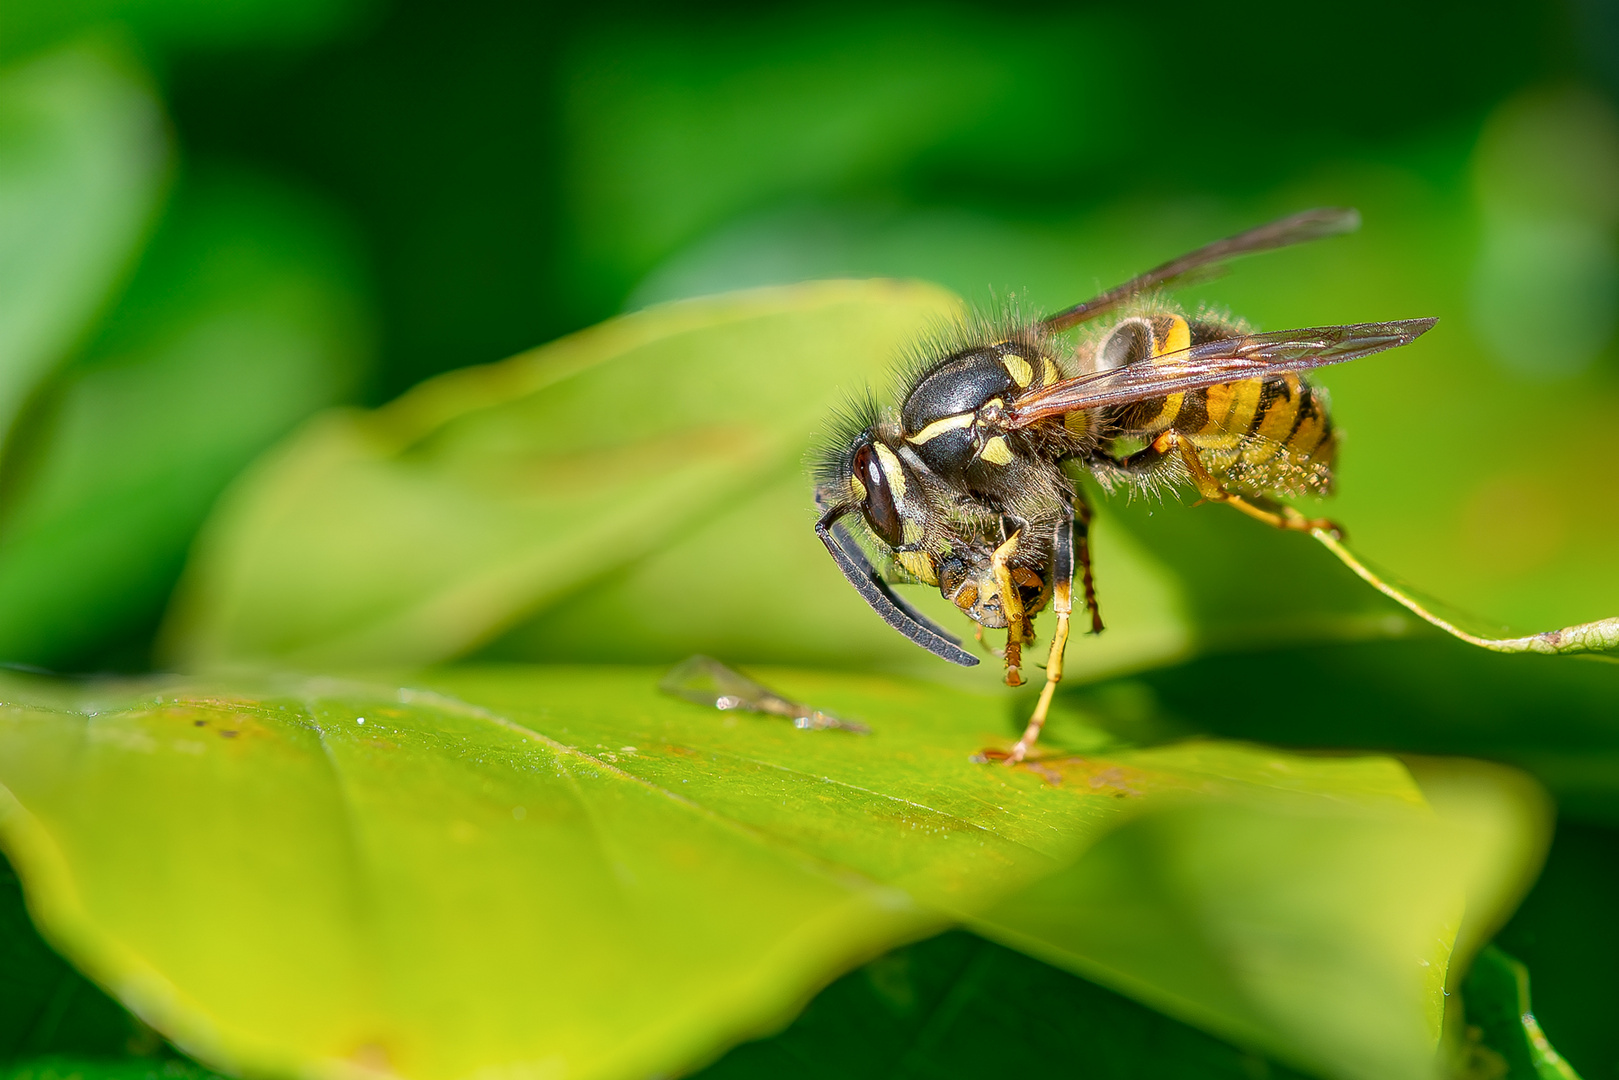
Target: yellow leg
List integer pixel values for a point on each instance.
(1062, 602)
(1281, 517)
(1012, 605)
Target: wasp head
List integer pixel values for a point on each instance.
(865, 469)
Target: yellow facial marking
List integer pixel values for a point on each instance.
(996, 452)
(1051, 373)
(891, 470)
(918, 565)
(858, 488)
(939, 427)
(1020, 370)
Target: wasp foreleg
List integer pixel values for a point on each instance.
(1012, 604)
(1067, 540)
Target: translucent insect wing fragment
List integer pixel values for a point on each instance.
(703, 680)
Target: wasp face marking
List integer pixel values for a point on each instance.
(893, 471)
(996, 452)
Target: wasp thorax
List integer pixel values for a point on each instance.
(952, 415)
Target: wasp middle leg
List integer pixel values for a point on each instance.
(1081, 546)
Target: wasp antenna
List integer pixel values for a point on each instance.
(882, 599)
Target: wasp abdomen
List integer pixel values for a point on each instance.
(1270, 436)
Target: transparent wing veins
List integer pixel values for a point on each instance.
(1296, 229)
(1213, 362)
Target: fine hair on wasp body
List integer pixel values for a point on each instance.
(967, 484)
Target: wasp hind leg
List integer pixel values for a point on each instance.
(1275, 514)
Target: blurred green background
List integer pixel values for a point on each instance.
(217, 219)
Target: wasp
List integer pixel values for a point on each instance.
(970, 485)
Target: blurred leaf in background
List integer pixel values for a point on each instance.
(84, 160)
(1546, 286)
(129, 400)
(163, 25)
(246, 315)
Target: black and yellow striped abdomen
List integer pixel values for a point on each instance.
(1270, 436)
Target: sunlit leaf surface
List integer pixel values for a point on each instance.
(563, 870)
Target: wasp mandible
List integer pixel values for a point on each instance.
(970, 485)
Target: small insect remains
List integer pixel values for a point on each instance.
(970, 484)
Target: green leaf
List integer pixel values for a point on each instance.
(560, 869)
(1421, 695)
(1497, 1000)
(243, 317)
(84, 156)
(1592, 637)
(1565, 933)
(1304, 934)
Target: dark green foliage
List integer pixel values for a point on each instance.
(46, 1007)
(958, 1005)
(1566, 935)
(234, 215)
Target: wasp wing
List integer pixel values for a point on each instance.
(1213, 362)
(882, 598)
(1303, 226)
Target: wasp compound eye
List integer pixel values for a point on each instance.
(881, 513)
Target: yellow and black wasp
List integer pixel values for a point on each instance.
(969, 485)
